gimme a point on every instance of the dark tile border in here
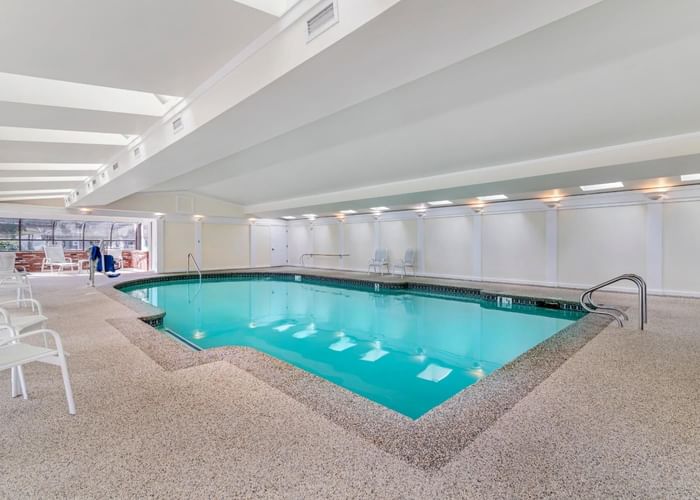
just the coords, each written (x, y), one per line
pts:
(429, 442)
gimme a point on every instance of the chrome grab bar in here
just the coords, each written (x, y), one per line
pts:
(190, 257)
(618, 315)
(301, 259)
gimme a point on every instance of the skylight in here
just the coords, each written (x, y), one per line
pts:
(58, 178)
(599, 187)
(274, 7)
(63, 136)
(50, 167)
(47, 92)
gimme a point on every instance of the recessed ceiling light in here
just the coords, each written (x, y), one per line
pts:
(599, 187)
(158, 214)
(288, 217)
(309, 216)
(439, 203)
(379, 209)
(348, 212)
(492, 197)
(690, 177)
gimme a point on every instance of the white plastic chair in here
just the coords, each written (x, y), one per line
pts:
(408, 262)
(22, 322)
(11, 277)
(56, 259)
(14, 354)
(379, 261)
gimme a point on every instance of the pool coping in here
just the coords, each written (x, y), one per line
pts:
(429, 442)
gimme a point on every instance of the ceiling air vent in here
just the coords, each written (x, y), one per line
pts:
(137, 152)
(115, 166)
(177, 124)
(325, 17)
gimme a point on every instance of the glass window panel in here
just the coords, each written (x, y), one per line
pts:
(9, 245)
(68, 230)
(124, 232)
(71, 244)
(9, 229)
(36, 233)
(124, 244)
(96, 231)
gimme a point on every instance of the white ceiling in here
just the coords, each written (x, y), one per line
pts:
(161, 46)
(617, 72)
(424, 90)
(79, 69)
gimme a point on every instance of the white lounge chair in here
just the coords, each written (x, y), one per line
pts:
(408, 262)
(15, 353)
(12, 277)
(379, 261)
(55, 258)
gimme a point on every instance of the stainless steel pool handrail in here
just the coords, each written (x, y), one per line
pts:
(618, 315)
(190, 257)
(301, 259)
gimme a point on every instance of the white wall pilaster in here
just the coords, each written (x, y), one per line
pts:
(655, 246)
(476, 247)
(552, 237)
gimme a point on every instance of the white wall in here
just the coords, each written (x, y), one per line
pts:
(586, 241)
(397, 236)
(681, 246)
(514, 247)
(449, 245)
(359, 243)
(179, 240)
(596, 244)
(225, 246)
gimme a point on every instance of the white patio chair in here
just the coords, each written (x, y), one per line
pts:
(14, 278)
(379, 261)
(408, 262)
(22, 322)
(15, 353)
(56, 259)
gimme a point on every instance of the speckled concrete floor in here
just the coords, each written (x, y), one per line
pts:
(618, 419)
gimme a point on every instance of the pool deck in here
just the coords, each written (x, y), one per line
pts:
(617, 417)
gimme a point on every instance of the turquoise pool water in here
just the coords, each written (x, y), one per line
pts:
(407, 351)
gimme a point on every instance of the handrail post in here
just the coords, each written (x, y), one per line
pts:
(586, 300)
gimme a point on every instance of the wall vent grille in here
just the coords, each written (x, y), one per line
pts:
(115, 166)
(324, 18)
(177, 125)
(137, 152)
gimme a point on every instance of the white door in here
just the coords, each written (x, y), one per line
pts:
(278, 240)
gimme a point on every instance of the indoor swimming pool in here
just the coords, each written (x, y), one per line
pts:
(407, 350)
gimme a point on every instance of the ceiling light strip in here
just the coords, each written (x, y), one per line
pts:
(50, 167)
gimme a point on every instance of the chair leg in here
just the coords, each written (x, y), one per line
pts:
(66, 383)
(22, 383)
(14, 383)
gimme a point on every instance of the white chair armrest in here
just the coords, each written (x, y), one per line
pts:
(15, 301)
(42, 331)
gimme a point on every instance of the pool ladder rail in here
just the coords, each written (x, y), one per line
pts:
(190, 258)
(618, 315)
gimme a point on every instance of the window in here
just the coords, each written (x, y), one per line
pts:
(124, 236)
(31, 235)
(70, 234)
(9, 235)
(35, 234)
(96, 232)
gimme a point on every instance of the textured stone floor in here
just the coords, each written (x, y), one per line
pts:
(618, 419)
